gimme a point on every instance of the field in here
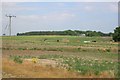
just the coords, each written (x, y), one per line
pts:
(59, 57)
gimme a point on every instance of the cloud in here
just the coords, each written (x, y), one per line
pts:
(49, 17)
(88, 8)
(98, 7)
(13, 7)
(60, 0)
(59, 16)
(113, 7)
(60, 4)
(21, 0)
(9, 4)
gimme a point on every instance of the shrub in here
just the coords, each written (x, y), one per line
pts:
(84, 50)
(108, 50)
(17, 59)
(79, 48)
(21, 48)
(116, 34)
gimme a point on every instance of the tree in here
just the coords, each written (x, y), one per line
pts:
(70, 32)
(116, 34)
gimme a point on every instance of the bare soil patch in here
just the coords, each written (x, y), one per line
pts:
(44, 62)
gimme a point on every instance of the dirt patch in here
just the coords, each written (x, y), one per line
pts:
(43, 62)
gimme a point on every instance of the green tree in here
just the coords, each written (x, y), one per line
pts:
(116, 34)
(70, 32)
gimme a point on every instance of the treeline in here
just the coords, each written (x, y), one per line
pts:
(67, 32)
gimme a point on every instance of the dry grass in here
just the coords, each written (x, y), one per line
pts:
(65, 40)
(31, 70)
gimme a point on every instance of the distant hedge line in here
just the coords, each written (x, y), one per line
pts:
(67, 32)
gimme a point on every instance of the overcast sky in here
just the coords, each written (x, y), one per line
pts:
(39, 16)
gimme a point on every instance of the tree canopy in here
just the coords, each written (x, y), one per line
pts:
(66, 32)
(116, 34)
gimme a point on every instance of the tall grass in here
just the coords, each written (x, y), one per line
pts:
(82, 66)
(17, 59)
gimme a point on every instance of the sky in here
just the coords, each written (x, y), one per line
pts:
(60, 0)
(59, 16)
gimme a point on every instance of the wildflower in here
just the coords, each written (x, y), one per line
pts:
(89, 60)
(83, 63)
(34, 60)
(73, 60)
(52, 58)
(79, 71)
(96, 59)
(111, 62)
(91, 64)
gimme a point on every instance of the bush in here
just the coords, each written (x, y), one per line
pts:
(16, 59)
(79, 48)
(116, 34)
(21, 48)
(108, 50)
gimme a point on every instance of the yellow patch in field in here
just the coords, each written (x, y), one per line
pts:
(34, 60)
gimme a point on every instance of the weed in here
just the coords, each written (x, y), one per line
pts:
(84, 50)
(79, 49)
(80, 65)
(108, 50)
(17, 59)
(21, 48)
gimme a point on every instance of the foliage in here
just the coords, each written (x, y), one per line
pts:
(82, 65)
(66, 32)
(17, 59)
(116, 35)
(70, 52)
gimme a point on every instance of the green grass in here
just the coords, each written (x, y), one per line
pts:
(16, 59)
(76, 64)
(71, 51)
(53, 39)
(38, 43)
(84, 66)
(69, 45)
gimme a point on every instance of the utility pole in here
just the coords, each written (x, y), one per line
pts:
(10, 17)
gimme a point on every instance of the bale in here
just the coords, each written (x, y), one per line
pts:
(94, 41)
(86, 41)
(58, 40)
(65, 40)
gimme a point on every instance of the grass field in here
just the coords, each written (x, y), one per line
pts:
(59, 57)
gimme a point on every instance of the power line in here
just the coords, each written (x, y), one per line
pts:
(10, 17)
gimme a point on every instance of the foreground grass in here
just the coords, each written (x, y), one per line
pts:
(31, 70)
(82, 66)
(75, 58)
